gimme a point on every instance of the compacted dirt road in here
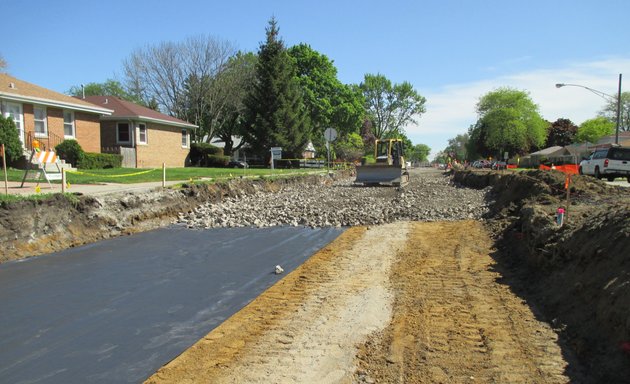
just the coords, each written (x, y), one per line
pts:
(406, 302)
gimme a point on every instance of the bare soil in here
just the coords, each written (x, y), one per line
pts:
(399, 303)
(512, 298)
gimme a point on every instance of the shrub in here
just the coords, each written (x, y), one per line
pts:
(100, 161)
(10, 137)
(217, 161)
(70, 151)
(368, 160)
(200, 153)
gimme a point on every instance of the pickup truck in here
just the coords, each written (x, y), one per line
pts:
(610, 163)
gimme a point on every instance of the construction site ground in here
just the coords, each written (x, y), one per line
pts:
(510, 298)
(407, 302)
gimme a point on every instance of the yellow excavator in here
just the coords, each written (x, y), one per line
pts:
(390, 167)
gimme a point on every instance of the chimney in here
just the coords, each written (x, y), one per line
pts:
(11, 85)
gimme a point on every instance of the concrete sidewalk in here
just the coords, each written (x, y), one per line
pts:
(29, 188)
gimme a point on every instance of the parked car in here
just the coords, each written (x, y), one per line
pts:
(610, 163)
(481, 164)
(498, 165)
(237, 164)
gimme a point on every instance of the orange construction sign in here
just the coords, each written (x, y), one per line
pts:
(47, 157)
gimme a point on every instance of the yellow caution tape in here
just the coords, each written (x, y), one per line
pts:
(111, 176)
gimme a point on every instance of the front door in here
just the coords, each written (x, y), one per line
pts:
(14, 111)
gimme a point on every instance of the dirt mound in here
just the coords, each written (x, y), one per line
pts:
(31, 228)
(577, 274)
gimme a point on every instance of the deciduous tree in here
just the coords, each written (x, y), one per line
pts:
(419, 152)
(594, 129)
(457, 146)
(330, 103)
(390, 107)
(508, 122)
(109, 88)
(236, 80)
(561, 132)
(610, 111)
(160, 72)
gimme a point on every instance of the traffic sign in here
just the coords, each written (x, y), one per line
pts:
(330, 134)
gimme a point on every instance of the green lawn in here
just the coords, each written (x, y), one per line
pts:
(132, 175)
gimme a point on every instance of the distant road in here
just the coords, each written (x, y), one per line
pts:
(117, 310)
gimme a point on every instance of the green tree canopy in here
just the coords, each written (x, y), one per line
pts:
(108, 88)
(594, 129)
(458, 147)
(10, 137)
(610, 112)
(236, 80)
(330, 103)
(508, 122)
(390, 107)
(349, 147)
(275, 111)
(419, 152)
(561, 132)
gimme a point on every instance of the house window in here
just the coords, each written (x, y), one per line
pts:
(142, 133)
(122, 133)
(41, 128)
(184, 138)
(68, 124)
(14, 111)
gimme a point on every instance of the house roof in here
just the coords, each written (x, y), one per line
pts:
(127, 110)
(548, 151)
(218, 142)
(624, 138)
(21, 91)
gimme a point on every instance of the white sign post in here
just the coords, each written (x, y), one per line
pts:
(330, 134)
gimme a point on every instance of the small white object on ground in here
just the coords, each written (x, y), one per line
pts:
(279, 270)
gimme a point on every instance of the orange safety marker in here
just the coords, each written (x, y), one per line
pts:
(47, 157)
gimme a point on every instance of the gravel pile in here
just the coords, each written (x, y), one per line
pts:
(429, 196)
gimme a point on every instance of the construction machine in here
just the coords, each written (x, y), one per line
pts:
(390, 167)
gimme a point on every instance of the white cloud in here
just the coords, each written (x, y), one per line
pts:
(451, 108)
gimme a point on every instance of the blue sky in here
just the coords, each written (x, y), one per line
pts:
(453, 52)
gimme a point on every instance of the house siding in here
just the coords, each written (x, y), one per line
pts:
(87, 127)
(29, 119)
(163, 146)
(88, 131)
(55, 123)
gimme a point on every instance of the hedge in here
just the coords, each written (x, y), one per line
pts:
(217, 161)
(200, 153)
(70, 151)
(100, 161)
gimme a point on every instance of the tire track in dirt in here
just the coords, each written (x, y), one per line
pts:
(453, 322)
(399, 303)
(306, 328)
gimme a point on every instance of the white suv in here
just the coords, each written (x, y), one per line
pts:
(610, 163)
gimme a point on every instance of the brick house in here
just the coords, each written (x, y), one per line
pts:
(146, 138)
(48, 116)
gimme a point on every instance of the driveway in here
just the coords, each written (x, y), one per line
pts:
(117, 310)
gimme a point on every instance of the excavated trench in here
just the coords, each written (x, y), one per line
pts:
(576, 276)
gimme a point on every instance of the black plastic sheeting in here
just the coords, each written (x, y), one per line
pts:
(117, 310)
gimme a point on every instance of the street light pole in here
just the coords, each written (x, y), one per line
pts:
(618, 111)
(605, 96)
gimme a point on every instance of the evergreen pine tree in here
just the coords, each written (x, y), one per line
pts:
(275, 115)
